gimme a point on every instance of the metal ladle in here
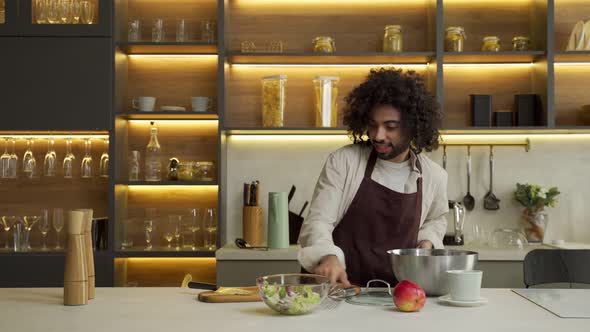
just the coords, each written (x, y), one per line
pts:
(490, 201)
(468, 200)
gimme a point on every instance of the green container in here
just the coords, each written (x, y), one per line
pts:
(278, 220)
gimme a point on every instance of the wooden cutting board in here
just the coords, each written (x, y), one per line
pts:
(228, 297)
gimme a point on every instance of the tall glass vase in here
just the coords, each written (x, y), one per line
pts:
(535, 225)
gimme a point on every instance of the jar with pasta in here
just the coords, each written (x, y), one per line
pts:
(520, 43)
(273, 100)
(326, 101)
(455, 39)
(392, 40)
(491, 44)
(324, 44)
(205, 170)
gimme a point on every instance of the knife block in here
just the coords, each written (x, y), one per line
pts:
(75, 271)
(252, 225)
(89, 252)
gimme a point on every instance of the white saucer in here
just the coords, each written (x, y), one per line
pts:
(447, 299)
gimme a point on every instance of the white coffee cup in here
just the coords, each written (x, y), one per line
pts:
(144, 104)
(464, 285)
(201, 104)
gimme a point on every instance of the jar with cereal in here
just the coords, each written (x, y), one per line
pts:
(273, 100)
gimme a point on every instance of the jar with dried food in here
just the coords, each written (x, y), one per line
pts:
(187, 171)
(392, 41)
(491, 44)
(205, 170)
(324, 44)
(326, 101)
(273, 100)
(520, 43)
(455, 39)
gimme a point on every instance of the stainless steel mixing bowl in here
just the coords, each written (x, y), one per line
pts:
(427, 267)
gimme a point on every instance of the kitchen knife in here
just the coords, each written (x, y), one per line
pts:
(291, 194)
(303, 208)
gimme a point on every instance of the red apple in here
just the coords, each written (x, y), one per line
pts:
(408, 296)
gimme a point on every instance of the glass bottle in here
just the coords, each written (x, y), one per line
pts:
(86, 166)
(50, 159)
(392, 41)
(13, 164)
(68, 164)
(455, 39)
(134, 166)
(153, 165)
(5, 161)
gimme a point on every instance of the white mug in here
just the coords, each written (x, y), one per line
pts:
(201, 104)
(464, 285)
(144, 104)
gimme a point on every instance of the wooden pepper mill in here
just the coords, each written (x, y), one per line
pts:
(89, 252)
(75, 272)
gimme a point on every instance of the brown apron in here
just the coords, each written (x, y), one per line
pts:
(378, 219)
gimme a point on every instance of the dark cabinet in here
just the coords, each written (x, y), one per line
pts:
(20, 21)
(56, 83)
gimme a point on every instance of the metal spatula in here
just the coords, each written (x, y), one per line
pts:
(490, 201)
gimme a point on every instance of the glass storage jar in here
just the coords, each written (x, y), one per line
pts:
(205, 170)
(392, 40)
(326, 101)
(324, 44)
(187, 171)
(273, 100)
(520, 43)
(491, 44)
(455, 39)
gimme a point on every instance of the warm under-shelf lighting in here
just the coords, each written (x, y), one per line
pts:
(494, 64)
(24, 135)
(200, 56)
(329, 65)
(572, 63)
(178, 122)
(343, 3)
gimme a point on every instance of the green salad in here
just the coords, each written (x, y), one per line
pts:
(290, 299)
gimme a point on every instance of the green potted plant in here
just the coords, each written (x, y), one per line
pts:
(535, 198)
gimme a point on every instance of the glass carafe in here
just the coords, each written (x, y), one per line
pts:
(50, 162)
(86, 166)
(68, 164)
(153, 165)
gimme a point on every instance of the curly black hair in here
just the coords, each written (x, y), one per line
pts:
(420, 113)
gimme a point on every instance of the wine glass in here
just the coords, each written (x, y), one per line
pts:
(210, 227)
(195, 218)
(87, 160)
(87, 12)
(13, 164)
(52, 10)
(68, 164)
(58, 225)
(76, 11)
(176, 222)
(168, 234)
(104, 161)
(7, 224)
(49, 164)
(29, 221)
(41, 11)
(44, 225)
(5, 161)
(29, 162)
(65, 13)
(149, 228)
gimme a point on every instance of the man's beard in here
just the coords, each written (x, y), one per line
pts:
(396, 150)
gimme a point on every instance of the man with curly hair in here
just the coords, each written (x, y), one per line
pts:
(381, 192)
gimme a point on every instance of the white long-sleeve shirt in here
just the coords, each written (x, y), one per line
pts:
(340, 180)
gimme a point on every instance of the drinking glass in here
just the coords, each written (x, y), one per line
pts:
(13, 165)
(50, 162)
(44, 226)
(148, 224)
(65, 12)
(68, 164)
(41, 11)
(76, 11)
(29, 162)
(176, 224)
(195, 220)
(29, 221)
(210, 227)
(7, 223)
(181, 31)
(169, 230)
(5, 161)
(87, 12)
(158, 31)
(134, 33)
(58, 225)
(87, 160)
(52, 10)
(208, 31)
(104, 160)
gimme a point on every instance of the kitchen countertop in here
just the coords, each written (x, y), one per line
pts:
(486, 253)
(165, 309)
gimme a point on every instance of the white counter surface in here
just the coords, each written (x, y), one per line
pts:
(175, 309)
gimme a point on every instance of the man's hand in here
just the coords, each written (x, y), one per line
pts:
(330, 267)
(425, 244)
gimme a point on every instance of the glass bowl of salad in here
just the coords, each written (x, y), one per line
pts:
(293, 294)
